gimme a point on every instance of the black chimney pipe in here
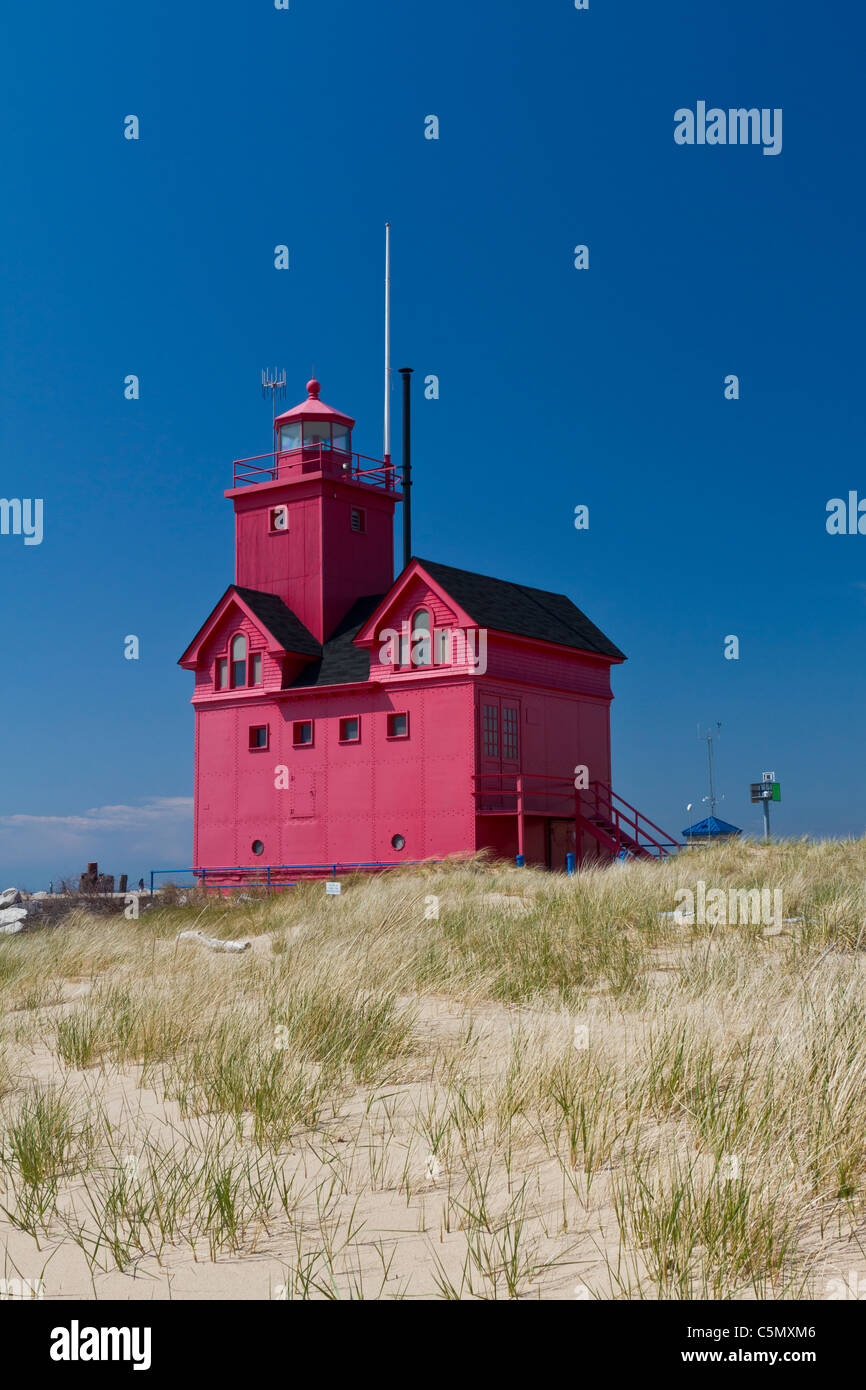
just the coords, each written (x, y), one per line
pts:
(406, 373)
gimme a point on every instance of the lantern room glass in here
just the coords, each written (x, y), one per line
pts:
(317, 434)
(290, 436)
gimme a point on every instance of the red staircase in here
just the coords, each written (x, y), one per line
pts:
(618, 826)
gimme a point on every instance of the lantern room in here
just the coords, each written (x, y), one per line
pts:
(313, 425)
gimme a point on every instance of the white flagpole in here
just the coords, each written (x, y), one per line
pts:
(387, 449)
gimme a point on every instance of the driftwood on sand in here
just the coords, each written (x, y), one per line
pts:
(213, 943)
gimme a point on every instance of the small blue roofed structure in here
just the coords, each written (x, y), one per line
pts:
(711, 829)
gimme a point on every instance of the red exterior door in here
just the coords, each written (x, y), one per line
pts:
(562, 841)
(498, 750)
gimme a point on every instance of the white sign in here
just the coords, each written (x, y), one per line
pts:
(332, 886)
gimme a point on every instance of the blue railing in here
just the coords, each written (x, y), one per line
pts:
(263, 876)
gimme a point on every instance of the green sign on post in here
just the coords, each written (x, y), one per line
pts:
(765, 791)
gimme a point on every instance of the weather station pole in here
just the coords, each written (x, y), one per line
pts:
(710, 767)
(708, 738)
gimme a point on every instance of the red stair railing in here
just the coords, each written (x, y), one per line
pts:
(642, 835)
(606, 815)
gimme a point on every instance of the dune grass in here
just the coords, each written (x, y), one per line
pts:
(463, 1081)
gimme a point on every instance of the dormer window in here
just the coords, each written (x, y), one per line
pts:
(443, 646)
(239, 660)
(421, 648)
(221, 675)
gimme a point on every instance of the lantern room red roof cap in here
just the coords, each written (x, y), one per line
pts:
(314, 409)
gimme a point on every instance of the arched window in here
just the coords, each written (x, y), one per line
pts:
(421, 649)
(239, 660)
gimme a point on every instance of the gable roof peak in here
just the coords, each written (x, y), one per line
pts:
(520, 609)
(267, 611)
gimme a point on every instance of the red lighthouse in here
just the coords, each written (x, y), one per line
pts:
(347, 717)
(328, 516)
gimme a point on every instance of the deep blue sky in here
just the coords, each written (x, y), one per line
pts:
(558, 387)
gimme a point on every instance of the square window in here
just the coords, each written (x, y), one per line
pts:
(258, 736)
(221, 678)
(350, 730)
(359, 519)
(302, 733)
(398, 726)
(256, 668)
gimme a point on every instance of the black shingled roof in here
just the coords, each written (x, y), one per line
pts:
(341, 662)
(280, 621)
(507, 607)
(491, 603)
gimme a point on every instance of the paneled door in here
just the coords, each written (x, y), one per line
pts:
(498, 750)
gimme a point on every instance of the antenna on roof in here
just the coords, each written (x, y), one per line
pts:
(275, 382)
(386, 452)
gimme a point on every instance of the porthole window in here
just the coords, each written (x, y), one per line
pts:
(398, 842)
(258, 847)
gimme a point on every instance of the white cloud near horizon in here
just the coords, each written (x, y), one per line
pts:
(150, 812)
(131, 838)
